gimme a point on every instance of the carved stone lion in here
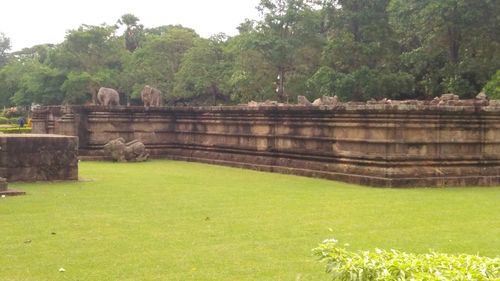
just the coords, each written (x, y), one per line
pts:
(120, 151)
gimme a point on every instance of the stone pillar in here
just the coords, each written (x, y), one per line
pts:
(39, 121)
(67, 123)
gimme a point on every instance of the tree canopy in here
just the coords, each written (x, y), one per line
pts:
(355, 49)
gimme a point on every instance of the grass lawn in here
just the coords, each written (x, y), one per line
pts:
(168, 220)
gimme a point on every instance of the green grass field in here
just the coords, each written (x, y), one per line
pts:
(167, 220)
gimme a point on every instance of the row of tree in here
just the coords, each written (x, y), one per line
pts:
(356, 49)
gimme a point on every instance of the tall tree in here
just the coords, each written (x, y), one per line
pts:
(39, 53)
(158, 59)
(4, 48)
(252, 76)
(204, 73)
(452, 45)
(361, 54)
(361, 35)
(134, 33)
(274, 57)
(89, 50)
(278, 36)
(34, 83)
(9, 82)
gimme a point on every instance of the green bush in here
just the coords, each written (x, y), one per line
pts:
(16, 130)
(362, 84)
(8, 120)
(395, 265)
(492, 88)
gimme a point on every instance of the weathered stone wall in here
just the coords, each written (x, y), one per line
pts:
(372, 144)
(30, 157)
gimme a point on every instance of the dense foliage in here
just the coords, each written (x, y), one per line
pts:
(356, 49)
(346, 265)
(492, 88)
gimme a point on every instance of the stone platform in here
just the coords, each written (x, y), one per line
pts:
(402, 144)
(38, 157)
(11, 192)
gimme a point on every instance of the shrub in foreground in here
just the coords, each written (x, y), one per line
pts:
(380, 264)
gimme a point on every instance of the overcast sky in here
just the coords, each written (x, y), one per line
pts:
(32, 22)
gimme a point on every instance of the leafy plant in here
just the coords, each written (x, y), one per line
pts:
(395, 265)
(492, 88)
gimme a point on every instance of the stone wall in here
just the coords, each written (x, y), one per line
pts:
(399, 144)
(31, 157)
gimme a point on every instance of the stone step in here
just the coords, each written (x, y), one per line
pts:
(11, 192)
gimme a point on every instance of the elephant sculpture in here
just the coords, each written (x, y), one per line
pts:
(120, 151)
(108, 96)
(151, 96)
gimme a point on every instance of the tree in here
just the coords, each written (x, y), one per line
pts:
(39, 53)
(492, 88)
(361, 54)
(88, 48)
(4, 47)
(158, 59)
(278, 36)
(29, 81)
(451, 45)
(252, 76)
(204, 73)
(93, 51)
(9, 82)
(134, 32)
(361, 35)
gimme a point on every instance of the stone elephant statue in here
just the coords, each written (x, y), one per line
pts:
(108, 96)
(120, 151)
(151, 96)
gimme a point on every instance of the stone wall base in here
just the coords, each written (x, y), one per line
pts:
(316, 167)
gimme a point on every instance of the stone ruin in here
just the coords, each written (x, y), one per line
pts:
(444, 100)
(5, 191)
(31, 157)
(440, 142)
(121, 151)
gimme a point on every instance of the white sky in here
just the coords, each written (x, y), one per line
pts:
(32, 22)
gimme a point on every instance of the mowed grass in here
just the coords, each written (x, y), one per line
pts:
(168, 220)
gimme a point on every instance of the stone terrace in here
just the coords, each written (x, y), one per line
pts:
(388, 143)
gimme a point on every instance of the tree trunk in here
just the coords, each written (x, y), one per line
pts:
(281, 94)
(355, 31)
(215, 92)
(454, 38)
(355, 23)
